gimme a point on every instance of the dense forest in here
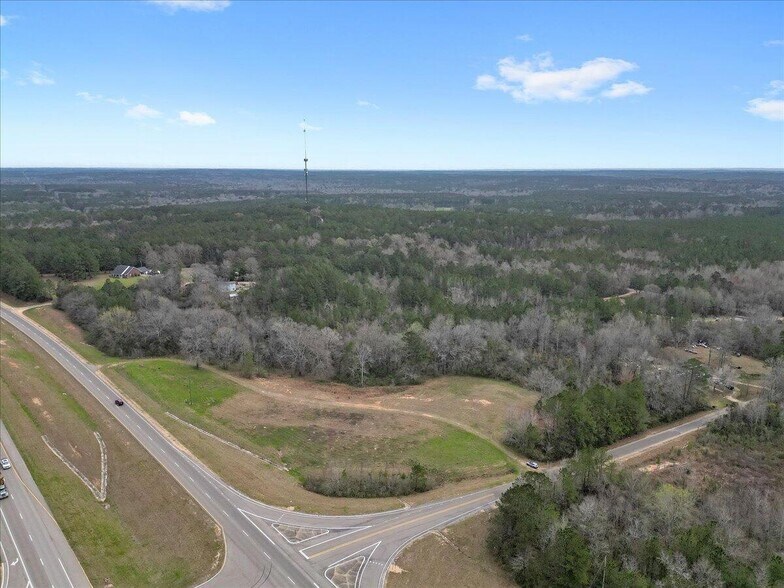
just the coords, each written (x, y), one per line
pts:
(568, 283)
(595, 525)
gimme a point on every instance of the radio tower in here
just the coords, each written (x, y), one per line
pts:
(305, 139)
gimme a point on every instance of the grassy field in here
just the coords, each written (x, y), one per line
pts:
(744, 365)
(99, 280)
(477, 403)
(456, 556)
(303, 437)
(149, 532)
(58, 323)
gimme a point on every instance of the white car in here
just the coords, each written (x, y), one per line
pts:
(532, 465)
(5, 464)
(3, 493)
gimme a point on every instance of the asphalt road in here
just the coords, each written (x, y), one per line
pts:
(34, 549)
(270, 546)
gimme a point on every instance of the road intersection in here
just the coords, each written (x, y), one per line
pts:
(271, 546)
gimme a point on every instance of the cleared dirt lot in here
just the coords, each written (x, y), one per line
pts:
(302, 437)
(480, 404)
(149, 532)
(455, 556)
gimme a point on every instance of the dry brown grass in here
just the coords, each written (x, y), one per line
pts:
(457, 556)
(149, 532)
(347, 432)
(721, 463)
(479, 404)
(748, 365)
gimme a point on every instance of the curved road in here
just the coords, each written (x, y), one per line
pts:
(270, 546)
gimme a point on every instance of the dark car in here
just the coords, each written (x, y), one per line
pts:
(119, 402)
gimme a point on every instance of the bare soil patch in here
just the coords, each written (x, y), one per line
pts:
(480, 404)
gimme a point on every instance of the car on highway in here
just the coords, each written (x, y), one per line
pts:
(5, 464)
(532, 465)
(119, 401)
(3, 493)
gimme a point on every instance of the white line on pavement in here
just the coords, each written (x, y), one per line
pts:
(66, 573)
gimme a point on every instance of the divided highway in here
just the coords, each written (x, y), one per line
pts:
(269, 546)
(34, 549)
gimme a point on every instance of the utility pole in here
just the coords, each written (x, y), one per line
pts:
(305, 140)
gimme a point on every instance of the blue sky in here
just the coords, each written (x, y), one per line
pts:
(392, 85)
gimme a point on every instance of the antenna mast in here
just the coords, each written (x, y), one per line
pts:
(305, 139)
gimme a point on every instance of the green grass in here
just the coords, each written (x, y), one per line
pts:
(97, 534)
(98, 281)
(304, 438)
(176, 385)
(20, 355)
(107, 542)
(52, 321)
(459, 447)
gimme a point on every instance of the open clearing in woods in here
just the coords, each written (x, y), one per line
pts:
(303, 437)
(149, 532)
(480, 404)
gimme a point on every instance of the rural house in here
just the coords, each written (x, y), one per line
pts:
(125, 271)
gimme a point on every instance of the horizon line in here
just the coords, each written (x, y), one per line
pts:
(465, 169)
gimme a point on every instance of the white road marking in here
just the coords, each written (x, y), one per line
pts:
(66, 573)
(245, 532)
(267, 554)
(20, 516)
(290, 580)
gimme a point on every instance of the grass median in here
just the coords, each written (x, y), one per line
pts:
(149, 531)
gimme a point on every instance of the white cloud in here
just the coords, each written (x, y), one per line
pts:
(366, 104)
(624, 89)
(37, 77)
(774, 43)
(87, 96)
(3, 74)
(306, 127)
(524, 38)
(537, 80)
(192, 5)
(770, 107)
(3, 20)
(141, 112)
(196, 119)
